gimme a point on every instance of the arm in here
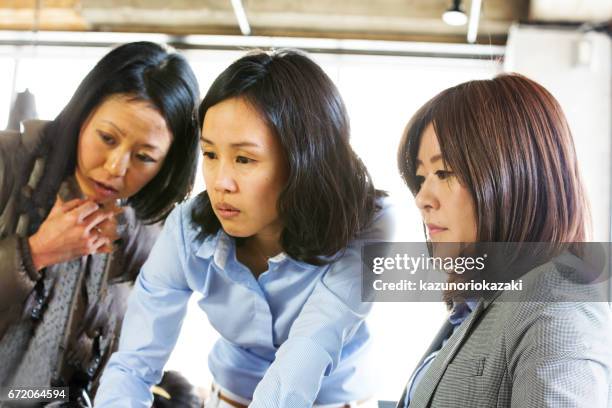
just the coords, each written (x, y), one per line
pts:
(17, 273)
(564, 357)
(328, 320)
(152, 323)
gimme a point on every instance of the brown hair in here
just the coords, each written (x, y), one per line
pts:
(508, 142)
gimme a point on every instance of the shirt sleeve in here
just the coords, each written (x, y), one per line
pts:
(156, 308)
(329, 319)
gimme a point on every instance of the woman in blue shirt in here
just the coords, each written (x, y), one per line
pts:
(273, 247)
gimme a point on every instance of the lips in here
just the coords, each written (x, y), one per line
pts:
(104, 190)
(225, 210)
(434, 229)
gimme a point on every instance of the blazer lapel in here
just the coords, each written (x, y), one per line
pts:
(444, 332)
(429, 382)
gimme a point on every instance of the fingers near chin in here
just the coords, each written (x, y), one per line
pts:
(105, 249)
(69, 205)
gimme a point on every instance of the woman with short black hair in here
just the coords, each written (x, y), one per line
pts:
(273, 246)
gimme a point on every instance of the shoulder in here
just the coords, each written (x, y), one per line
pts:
(10, 148)
(17, 150)
(27, 142)
(33, 136)
(383, 223)
(180, 223)
(555, 314)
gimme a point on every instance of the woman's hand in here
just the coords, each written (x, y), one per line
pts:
(73, 229)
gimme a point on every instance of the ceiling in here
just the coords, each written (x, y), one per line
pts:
(411, 20)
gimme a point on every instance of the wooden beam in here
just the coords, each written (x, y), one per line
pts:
(49, 19)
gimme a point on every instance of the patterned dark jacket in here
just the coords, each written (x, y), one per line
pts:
(59, 326)
(547, 346)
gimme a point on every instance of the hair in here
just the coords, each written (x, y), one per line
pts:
(508, 142)
(329, 196)
(181, 392)
(147, 72)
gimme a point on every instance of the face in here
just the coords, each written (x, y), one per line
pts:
(446, 206)
(122, 146)
(245, 169)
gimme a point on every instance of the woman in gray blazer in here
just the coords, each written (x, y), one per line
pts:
(493, 161)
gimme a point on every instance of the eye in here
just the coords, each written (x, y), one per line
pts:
(444, 174)
(145, 158)
(106, 138)
(244, 160)
(209, 155)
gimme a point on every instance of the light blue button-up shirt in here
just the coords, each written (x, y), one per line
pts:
(290, 338)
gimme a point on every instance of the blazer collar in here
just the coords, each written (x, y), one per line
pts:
(444, 332)
(429, 382)
(426, 387)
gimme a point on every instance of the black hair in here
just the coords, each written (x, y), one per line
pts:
(329, 196)
(181, 392)
(148, 72)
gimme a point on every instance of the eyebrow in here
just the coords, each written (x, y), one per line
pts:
(432, 160)
(117, 128)
(239, 144)
(122, 133)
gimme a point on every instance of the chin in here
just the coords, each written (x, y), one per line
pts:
(235, 232)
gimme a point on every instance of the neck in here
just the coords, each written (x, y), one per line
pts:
(256, 251)
(265, 245)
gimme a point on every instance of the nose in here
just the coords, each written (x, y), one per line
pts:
(427, 199)
(224, 179)
(117, 163)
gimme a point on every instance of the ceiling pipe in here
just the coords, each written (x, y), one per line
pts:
(245, 28)
(472, 33)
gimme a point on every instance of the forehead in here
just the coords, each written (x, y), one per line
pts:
(131, 117)
(235, 120)
(429, 145)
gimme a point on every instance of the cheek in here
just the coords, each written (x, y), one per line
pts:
(138, 178)
(273, 188)
(467, 213)
(265, 194)
(208, 177)
(89, 154)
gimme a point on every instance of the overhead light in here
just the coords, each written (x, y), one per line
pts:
(455, 15)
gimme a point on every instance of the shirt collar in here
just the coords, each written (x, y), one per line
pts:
(206, 250)
(461, 310)
(220, 246)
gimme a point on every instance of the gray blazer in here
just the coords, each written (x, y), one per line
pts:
(552, 353)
